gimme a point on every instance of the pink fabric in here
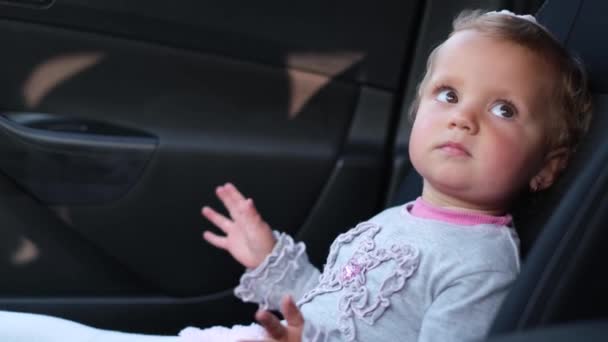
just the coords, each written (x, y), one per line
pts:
(423, 209)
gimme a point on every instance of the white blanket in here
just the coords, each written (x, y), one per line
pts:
(25, 327)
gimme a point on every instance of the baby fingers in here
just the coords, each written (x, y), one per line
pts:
(290, 311)
(232, 199)
(219, 220)
(271, 323)
(233, 192)
(216, 240)
(248, 211)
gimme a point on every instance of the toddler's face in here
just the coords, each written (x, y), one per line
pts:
(480, 131)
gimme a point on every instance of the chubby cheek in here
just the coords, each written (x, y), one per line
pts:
(511, 161)
(420, 142)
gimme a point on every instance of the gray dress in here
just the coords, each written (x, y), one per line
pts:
(395, 277)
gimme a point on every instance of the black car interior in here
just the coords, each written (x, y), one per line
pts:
(103, 174)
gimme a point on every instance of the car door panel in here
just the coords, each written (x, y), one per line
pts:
(298, 122)
(215, 119)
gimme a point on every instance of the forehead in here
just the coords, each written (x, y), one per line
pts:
(493, 63)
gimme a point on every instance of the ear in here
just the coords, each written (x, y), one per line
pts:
(554, 163)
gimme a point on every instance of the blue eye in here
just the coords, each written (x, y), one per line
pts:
(504, 110)
(447, 96)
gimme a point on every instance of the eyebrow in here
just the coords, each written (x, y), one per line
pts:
(445, 79)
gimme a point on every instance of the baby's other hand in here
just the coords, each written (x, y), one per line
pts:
(277, 332)
(248, 237)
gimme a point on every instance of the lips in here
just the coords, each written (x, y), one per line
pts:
(454, 149)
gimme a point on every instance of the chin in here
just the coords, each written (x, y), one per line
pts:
(465, 192)
(450, 183)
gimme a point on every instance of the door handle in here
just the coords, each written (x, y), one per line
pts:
(67, 133)
(62, 160)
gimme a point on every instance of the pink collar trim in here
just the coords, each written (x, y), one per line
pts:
(423, 209)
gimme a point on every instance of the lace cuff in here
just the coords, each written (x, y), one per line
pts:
(286, 270)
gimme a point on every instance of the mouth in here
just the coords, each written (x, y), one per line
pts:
(454, 149)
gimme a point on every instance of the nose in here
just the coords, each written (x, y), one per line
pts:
(464, 119)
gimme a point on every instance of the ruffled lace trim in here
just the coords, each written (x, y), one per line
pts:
(356, 301)
(260, 284)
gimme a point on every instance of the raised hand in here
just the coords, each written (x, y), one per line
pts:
(248, 237)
